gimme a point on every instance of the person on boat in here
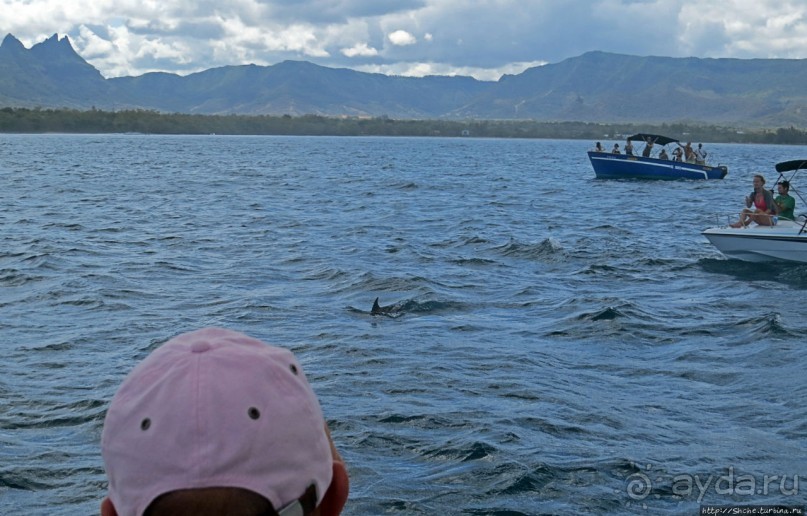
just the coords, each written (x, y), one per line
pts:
(628, 148)
(785, 203)
(648, 148)
(677, 152)
(764, 210)
(615, 150)
(663, 154)
(598, 147)
(700, 155)
(689, 153)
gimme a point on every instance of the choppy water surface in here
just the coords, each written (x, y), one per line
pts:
(563, 345)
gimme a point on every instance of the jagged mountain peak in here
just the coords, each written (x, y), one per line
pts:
(55, 47)
(11, 43)
(50, 71)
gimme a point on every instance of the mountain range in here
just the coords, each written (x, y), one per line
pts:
(593, 87)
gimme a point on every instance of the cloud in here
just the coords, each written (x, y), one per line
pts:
(402, 38)
(745, 29)
(424, 69)
(359, 49)
(452, 37)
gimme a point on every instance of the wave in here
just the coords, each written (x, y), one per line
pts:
(548, 248)
(16, 278)
(608, 313)
(469, 452)
(47, 415)
(767, 325)
(369, 282)
(22, 480)
(472, 262)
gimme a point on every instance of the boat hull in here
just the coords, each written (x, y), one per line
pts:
(783, 242)
(622, 166)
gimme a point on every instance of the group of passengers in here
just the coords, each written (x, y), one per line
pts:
(681, 153)
(767, 210)
(761, 207)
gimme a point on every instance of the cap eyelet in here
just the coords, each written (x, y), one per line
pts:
(254, 413)
(293, 369)
(145, 424)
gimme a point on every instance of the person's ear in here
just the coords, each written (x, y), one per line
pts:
(107, 509)
(336, 496)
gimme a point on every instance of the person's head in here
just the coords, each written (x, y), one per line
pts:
(216, 422)
(759, 181)
(784, 186)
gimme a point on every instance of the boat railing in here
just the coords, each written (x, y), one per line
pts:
(710, 162)
(725, 219)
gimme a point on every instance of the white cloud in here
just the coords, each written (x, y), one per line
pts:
(424, 69)
(93, 46)
(401, 38)
(359, 49)
(484, 38)
(744, 29)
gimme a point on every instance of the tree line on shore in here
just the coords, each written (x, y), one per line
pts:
(24, 120)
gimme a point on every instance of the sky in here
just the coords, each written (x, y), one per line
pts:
(479, 38)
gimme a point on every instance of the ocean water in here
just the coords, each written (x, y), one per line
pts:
(560, 344)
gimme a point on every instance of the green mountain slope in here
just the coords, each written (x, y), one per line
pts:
(594, 87)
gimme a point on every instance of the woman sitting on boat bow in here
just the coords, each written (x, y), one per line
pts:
(764, 209)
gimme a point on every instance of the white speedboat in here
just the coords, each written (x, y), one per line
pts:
(786, 241)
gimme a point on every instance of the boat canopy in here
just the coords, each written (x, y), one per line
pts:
(655, 138)
(787, 166)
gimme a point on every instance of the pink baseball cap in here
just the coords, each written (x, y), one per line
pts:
(215, 408)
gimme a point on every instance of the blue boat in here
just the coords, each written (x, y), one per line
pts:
(608, 165)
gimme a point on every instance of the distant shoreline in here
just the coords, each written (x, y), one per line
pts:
(24, 120)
